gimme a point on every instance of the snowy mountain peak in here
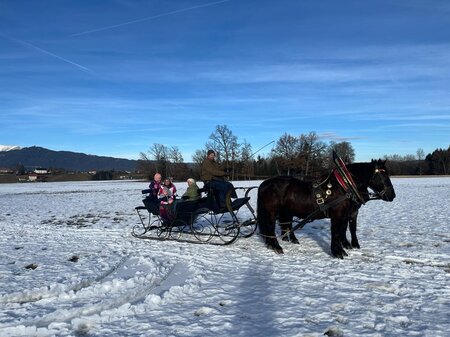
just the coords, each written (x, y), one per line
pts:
(9, 147)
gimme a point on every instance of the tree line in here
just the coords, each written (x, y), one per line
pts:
(435, 163)
(303, 156)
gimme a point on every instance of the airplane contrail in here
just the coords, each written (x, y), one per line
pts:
(148, 18)
(28, 44)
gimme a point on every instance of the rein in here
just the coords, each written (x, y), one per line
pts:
(325, 206)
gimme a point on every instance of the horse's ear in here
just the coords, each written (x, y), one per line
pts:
(379, 162)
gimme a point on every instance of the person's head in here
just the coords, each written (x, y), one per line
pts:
(211, 154)
(167, 182)
(190, 181)
(157, 177)
(166, 191)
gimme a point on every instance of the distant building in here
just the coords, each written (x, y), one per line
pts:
(32, 177)
(40, 170)
(5, 170)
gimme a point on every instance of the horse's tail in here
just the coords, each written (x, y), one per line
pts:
(265, 214)
(261, 213)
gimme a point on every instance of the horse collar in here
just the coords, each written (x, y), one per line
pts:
(348, 186)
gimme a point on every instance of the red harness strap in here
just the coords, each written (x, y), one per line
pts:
(340, 180)
(347, 182)
(345, 178)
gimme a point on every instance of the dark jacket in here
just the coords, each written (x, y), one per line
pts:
(154, 190)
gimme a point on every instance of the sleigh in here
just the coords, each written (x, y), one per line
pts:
(197, 221)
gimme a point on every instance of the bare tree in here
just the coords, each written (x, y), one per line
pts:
(420, 156)
(177, 169)
(286, 152)
(175, 155)
(246, 160)
(313, 152)
(225, 143)
(160, 152)
(199, 156)
(166, 160)
(147, 166)
(344, 150)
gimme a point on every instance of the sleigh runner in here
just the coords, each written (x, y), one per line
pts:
(199, 221)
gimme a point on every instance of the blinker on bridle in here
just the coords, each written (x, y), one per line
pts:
(379, 195)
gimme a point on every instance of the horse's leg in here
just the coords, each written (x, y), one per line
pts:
(267, 211)
(352, 226)
(271, 239)
(344, 240)
(337, 223)
(285, 220)
(267, 231)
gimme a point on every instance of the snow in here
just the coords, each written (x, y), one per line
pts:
(4, 148)
(92, 278)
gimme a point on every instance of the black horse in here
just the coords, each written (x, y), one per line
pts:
(283, 198)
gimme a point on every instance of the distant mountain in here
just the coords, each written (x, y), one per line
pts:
(72, 161)
(9, 147)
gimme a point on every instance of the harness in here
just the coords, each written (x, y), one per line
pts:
(345, 180)
(347, 183)
(323, 206)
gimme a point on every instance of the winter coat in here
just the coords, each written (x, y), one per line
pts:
(211, 169)
(172, 189)
(154, 190)
(165, 195)
(191, 192)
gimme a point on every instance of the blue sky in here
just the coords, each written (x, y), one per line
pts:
(113, 77)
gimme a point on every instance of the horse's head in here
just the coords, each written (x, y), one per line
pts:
(380, 182)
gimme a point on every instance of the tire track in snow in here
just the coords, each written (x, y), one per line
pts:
(406, 260)
(175, 276)
(29, 297)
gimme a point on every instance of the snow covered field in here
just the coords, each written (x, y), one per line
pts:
(69, 267)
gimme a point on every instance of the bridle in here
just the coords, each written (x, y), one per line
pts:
(376, 195)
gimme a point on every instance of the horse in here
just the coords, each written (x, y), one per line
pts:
(284, 197)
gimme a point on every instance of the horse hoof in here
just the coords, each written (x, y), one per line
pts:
(339, 254)
(356, 245)
(277, 250)
(346, 245)
(295, 241)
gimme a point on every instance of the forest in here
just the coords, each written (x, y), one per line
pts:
(303, 156)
